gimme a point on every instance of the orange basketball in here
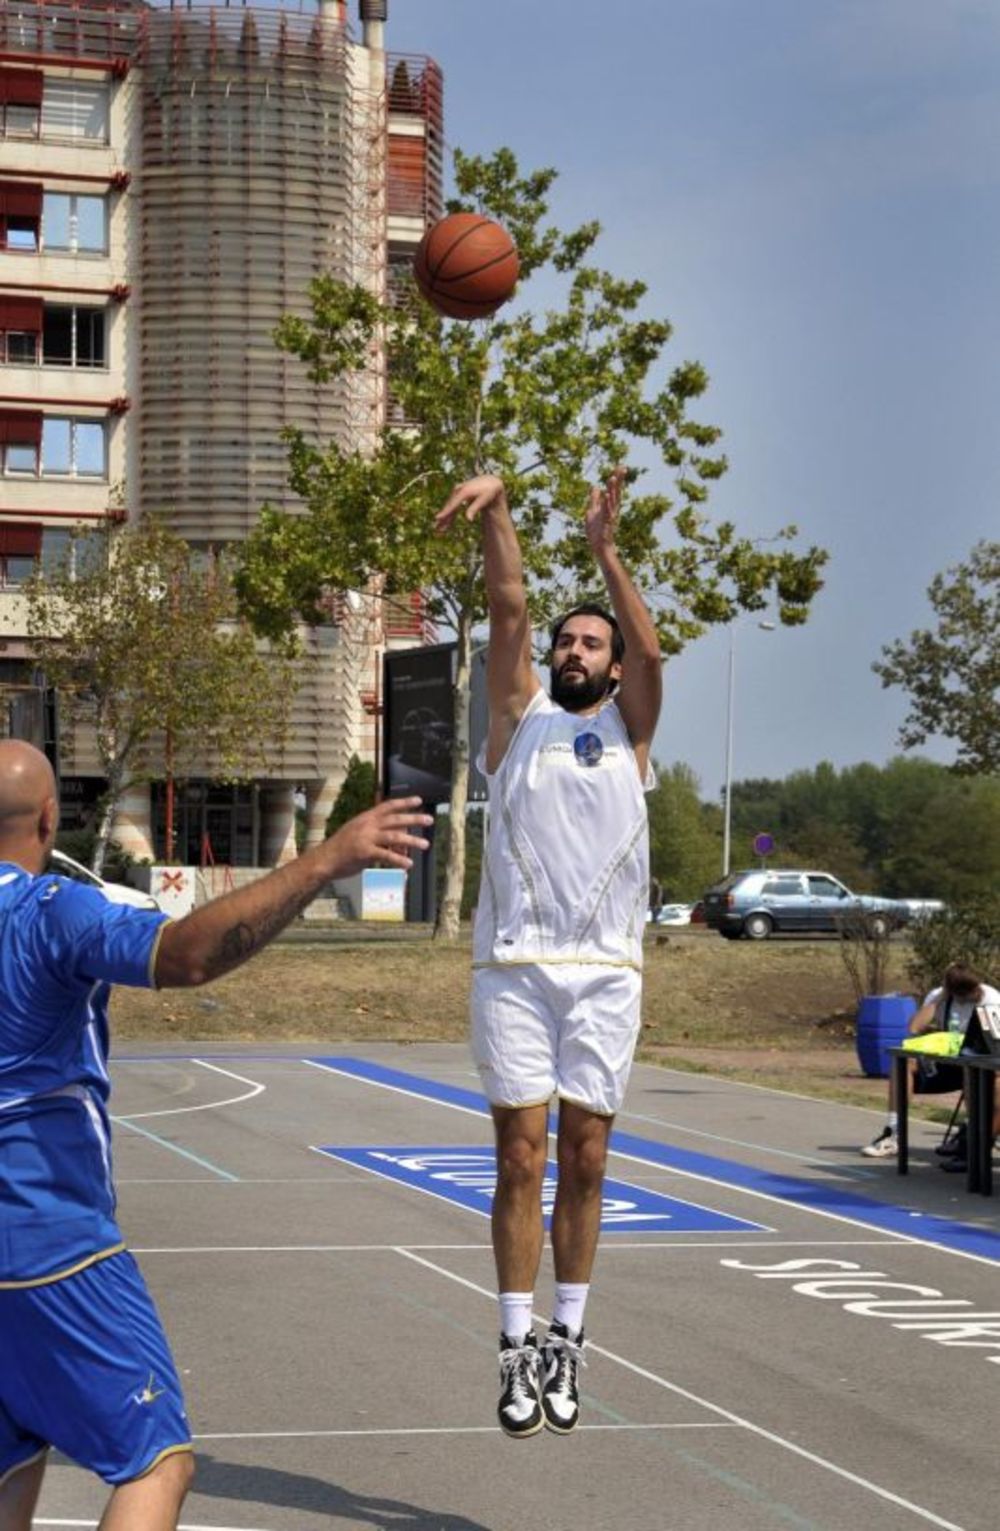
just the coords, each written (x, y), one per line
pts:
(466, 266)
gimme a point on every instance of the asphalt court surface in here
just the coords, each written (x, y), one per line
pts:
(780, 1333)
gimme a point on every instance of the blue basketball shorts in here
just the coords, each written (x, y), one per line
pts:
(87, 1369)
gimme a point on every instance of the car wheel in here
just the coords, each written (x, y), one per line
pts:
(757, 927)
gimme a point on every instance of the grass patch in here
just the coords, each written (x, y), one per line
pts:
(775, 1013)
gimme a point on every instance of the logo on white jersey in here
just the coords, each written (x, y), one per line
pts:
(588, 749)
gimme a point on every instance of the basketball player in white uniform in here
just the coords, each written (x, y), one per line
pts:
(558, 935)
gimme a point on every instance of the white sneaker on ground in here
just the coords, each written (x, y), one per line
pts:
(885, 1146)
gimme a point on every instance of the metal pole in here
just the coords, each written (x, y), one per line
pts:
(727, 819)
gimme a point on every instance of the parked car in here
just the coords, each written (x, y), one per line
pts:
(923, 908)
(755, 904)
(114, 892)
(674, 914)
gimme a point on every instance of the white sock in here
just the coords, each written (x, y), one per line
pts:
(515, 1315)
(893, 1121)
(571, 1299)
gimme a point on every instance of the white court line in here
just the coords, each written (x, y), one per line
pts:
(212, 1105)
(891, 1241)
(308, 1435)
(185, 1525)
(741, 1190)
(725, 1414)
(859, 1170)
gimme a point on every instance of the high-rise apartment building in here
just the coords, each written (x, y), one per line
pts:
(171, 180)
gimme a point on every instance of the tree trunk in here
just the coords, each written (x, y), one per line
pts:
(449, 913)
(109, 808)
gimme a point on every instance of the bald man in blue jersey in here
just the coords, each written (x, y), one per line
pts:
(84, 1363)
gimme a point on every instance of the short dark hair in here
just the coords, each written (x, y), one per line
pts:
(592, 609)
(962, 981)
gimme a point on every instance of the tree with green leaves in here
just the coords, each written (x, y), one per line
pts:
(684, 835)
(952, 673)
(148, 649)
(357, 792)
(549, 402)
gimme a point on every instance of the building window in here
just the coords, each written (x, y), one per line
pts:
(20, 102)
(20, 442)
(20, 544)
(20, 330)
(75, 109)
(73, 448)
(21, 121)
(74, 223)
(19, 348)
(73, 337)
(65, 552)
(20, 215)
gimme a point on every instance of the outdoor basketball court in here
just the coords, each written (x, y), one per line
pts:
(783, 1334)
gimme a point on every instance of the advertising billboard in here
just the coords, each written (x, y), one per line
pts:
(417, 736)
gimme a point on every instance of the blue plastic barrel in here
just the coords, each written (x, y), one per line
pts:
(882, 1023)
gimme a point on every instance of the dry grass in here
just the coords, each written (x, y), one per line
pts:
(779, 1013)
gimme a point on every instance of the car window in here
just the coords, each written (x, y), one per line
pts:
(782, 885)
(826, 887)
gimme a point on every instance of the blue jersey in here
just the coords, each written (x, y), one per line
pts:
(62, 945)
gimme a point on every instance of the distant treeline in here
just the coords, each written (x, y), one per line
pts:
(909, 829)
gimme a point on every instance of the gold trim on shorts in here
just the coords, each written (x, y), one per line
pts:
(72, 1270)
(168, 1451)
(582, 1105)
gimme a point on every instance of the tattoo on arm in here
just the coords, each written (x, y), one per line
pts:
(241, 941)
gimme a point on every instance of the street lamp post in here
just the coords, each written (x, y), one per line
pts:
(765, 627)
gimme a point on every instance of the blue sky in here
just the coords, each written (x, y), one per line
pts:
(809, 189)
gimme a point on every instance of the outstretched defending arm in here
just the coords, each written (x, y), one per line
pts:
(510, 679)
(223, 934)
(640, 691)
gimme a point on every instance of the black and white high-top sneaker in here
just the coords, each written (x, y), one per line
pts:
(520, 1408)
(562, 1356)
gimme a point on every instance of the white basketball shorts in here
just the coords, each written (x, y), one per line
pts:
(567, 1029)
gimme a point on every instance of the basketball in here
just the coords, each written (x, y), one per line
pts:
(466, 266)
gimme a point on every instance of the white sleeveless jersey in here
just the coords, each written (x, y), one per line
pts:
(566, 860)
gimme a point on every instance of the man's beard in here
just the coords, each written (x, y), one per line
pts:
(578, 691)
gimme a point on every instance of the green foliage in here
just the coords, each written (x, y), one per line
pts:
(969, 932)
(146, 647)
(952, 674)
(474, 825)
(684, 837)
(357, 793)
(79, 844)
(549, 402)
(910, 829)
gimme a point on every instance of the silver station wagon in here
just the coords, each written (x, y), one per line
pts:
(756, 904)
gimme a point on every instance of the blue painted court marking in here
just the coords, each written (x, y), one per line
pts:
(828, 1201)
(466, 1177)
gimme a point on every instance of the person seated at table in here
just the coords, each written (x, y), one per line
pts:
(948, 1007)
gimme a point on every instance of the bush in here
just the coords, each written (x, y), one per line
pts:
(356, 794)
(79, 844)
(969, 932)
(864, 950)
